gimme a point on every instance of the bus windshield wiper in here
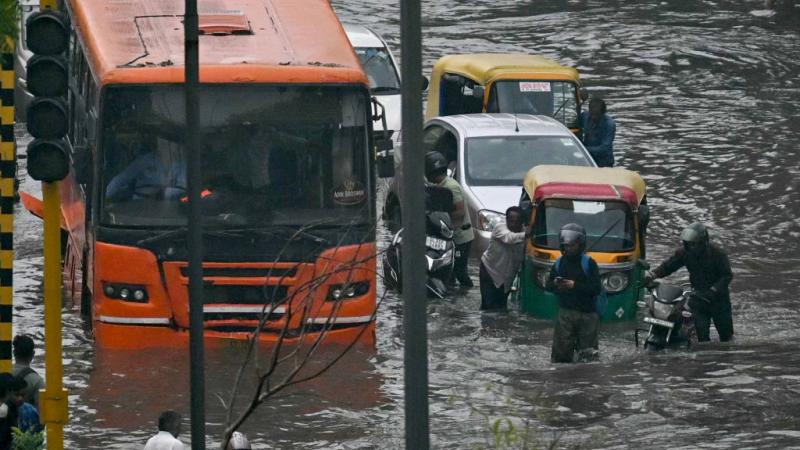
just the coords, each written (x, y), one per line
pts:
(162, 235)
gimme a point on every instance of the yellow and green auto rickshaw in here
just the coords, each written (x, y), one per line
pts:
(609, 204)
(505, 83)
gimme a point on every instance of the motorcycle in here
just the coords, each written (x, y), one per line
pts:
(439, 246)
(668, 317)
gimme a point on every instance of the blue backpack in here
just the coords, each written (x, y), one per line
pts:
(601, 301)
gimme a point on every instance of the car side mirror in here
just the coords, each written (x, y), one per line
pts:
(478, 92)
(425, 83)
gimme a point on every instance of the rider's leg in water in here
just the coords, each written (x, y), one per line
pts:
(564, 336)
(702, 323)
(587, 337)
(723, 322)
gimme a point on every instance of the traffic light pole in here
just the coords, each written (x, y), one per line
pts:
(196, 345)
(415, 321)
(54, 400)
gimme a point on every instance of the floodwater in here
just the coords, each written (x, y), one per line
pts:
(706, 96)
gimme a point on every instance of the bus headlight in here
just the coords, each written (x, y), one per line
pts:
(487, 219)
(614, 281)
(126, 292)
(348, 291)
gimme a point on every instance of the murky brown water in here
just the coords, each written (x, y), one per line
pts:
(706, 96)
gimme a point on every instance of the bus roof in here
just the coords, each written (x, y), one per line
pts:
(586, 182)
(485, 67)
(242, 41)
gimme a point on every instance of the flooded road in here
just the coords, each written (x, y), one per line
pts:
(706, 95)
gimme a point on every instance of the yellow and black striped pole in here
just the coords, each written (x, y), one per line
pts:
(7, 176)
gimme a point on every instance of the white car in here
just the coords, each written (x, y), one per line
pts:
(490, 155)
(384, 79)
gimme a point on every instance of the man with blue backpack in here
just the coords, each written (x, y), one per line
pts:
(575, 278)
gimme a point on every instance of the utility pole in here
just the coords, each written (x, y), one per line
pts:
(415, 321)
(195, 238)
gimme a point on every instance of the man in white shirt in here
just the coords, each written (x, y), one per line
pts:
(169, 427)
(501, 260)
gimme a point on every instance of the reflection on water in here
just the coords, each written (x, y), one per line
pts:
(705, 94)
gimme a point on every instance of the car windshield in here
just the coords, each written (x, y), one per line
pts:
(558, 99)
(504, 160)
(609, 224)
(380, 70)
(272, 155)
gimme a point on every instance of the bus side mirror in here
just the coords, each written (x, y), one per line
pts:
(385, 163)
(82, 164)
(425, 83)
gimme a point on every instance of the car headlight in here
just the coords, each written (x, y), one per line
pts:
(614, 281)
(541, 276)
(488, 219)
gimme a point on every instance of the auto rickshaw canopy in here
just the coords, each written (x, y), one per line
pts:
(548, 181)
(487, 67)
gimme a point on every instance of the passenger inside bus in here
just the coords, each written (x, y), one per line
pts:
(158, 173)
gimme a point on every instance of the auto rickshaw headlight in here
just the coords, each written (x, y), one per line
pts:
(614, 281)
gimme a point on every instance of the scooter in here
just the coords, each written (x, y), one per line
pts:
(439, 246)
(668, 317)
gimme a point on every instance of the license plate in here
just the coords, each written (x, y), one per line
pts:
(435, 243)
(659, 322)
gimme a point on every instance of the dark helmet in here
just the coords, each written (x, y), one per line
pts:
(695, 237)
(572, 233)
(435, 164)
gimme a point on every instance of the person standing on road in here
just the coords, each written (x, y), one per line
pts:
(577, 290)
(23, 355)
(169, 427)
(502, 259)
(710, 274)
(436, 173)
(597, 132)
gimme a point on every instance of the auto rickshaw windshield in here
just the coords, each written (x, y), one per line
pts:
(609, 224)
(557, 99)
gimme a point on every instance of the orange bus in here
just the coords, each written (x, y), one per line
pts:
(288, 172)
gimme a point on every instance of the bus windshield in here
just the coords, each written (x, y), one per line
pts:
(609, 224)
(271, 155)
(557, 99)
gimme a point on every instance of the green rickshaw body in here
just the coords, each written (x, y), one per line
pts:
(608, 202)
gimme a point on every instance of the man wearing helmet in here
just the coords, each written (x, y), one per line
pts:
(436, 173)
(710, 274)
(577, 290)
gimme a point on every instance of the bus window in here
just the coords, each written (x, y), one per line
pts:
(272, 155)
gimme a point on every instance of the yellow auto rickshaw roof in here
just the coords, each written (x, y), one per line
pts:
(485, 67)
(572, 175)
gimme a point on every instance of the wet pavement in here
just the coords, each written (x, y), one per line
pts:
(706, 95)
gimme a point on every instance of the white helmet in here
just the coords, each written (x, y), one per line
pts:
(238, 441)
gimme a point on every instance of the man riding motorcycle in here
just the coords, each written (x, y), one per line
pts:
(710, 274)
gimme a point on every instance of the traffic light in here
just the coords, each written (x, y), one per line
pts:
(47, 36)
